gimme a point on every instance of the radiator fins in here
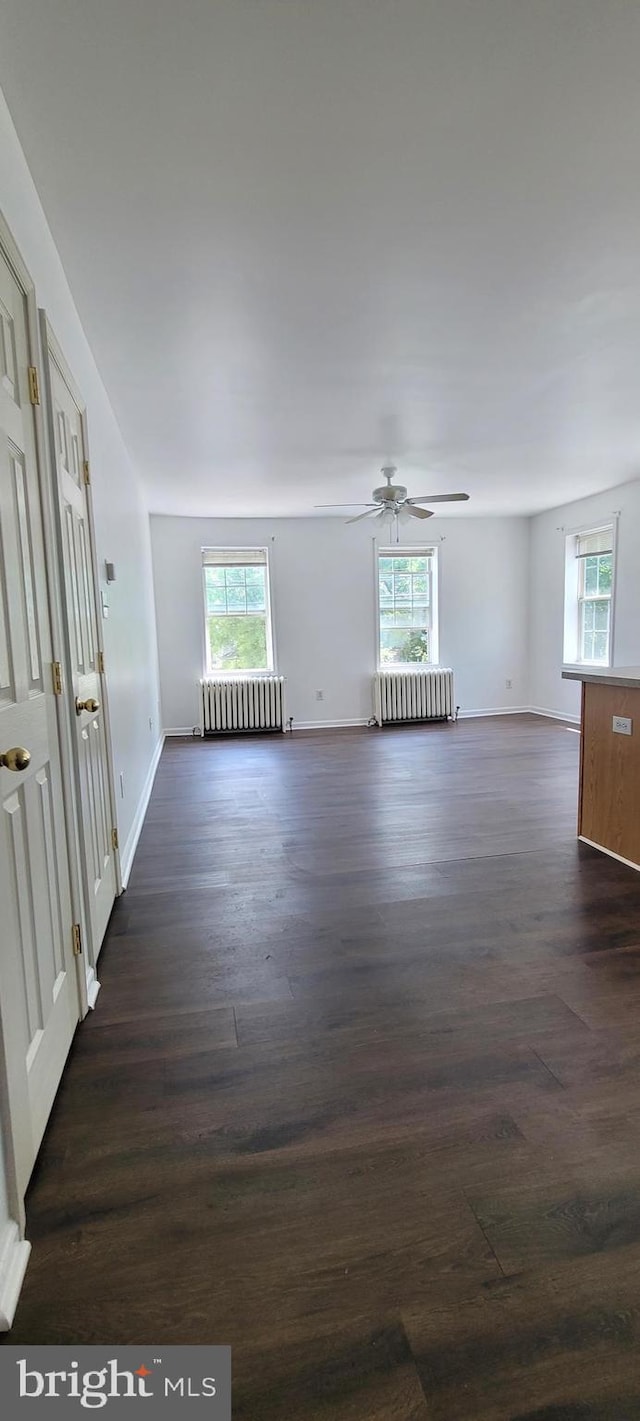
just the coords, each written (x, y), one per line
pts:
(251, 703)
(413, 695)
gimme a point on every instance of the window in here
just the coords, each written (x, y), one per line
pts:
(594, 552)
(588, 594)
(406, 594)
(237, 610)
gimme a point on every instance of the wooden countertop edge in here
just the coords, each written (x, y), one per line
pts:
(627, 676)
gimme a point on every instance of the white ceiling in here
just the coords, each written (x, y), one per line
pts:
(309, 236)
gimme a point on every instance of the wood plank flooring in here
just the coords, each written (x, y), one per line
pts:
(361, 1093)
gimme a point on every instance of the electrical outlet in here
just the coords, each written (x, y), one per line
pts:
(122, 784)
(622, 724)
(319, 695)
(508, 685)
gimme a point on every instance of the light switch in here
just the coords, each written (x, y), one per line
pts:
(622, 724)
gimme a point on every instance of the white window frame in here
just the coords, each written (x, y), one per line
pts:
(217, 673)
(420, 551)
(574, 600)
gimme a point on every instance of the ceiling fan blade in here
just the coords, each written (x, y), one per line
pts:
(372, 508)
(345, 505)
(441, 498)
(418, 512)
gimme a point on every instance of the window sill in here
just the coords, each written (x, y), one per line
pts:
(410, 666)
(582, 665)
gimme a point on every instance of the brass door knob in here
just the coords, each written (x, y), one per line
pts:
(16, 759)
(89, 705)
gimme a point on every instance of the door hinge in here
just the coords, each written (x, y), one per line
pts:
(114, 838)
(86, 473)
(56, 672)
(76, 938)
(34, 386)
(101, 663)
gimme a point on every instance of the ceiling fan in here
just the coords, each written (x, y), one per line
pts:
(391, 499)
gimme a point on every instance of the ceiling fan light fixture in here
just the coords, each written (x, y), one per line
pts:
(391, 501)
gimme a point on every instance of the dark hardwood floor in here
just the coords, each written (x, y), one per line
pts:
(361, 1093)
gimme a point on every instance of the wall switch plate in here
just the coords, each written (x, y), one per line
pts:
(622, 724)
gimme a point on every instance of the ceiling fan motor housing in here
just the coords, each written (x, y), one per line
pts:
(390, 493)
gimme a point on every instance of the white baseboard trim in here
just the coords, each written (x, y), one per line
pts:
(494, 710)
(14, 1256)
(555, 715)
(93, 987)
(361, 720)
(297, 725)
(329, 724)
(609, 852)
(131, 845)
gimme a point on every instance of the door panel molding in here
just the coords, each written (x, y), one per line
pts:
(91, 757)
(39, 1002)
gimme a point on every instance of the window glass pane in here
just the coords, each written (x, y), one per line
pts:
(236, 599)
(601, 615)
(605, 572)
(237, 643)
(256, 597)
(405, 615)
(238, 633)
(216, 599)
(600, 640)
(401, 645)
(590, 576)
(236, 590)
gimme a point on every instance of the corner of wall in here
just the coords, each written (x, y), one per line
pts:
(529, 615)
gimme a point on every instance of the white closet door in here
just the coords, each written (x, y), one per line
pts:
(89, 725)
(38, 985)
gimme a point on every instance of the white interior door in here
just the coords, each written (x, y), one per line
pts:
(88, 686)
(38, 984)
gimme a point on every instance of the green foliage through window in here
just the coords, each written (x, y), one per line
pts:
(596, 577)
(404, 591)
(236, 615)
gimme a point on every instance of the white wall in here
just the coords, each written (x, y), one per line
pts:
(121, 520)
(121, 526)
(323, 593)
(547, 563)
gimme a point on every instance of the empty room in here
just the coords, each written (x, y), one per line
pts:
(320, 708)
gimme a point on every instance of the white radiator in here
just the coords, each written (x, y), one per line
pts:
(413, 695)
(242, 703)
